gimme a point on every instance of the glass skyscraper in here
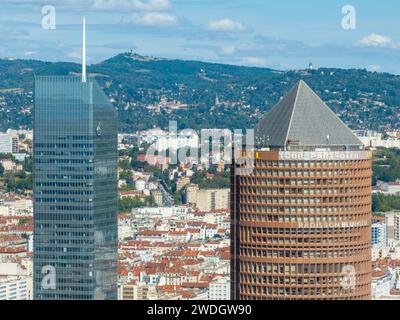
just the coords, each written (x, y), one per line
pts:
(75, 190)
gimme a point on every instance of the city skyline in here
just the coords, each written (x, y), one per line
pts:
(130, 169)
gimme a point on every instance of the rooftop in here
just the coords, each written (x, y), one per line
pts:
(302, 121)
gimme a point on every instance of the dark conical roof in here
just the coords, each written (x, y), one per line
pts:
(302, 120)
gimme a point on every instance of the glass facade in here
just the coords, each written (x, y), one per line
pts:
(75, 191)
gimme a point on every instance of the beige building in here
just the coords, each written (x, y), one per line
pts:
(207, 199)
(158, 197)
(191, 194)
(134, 292)
(182, 182)
(396, 235)
(10, 166)
(6, 210)
(392, 221)
(13, 206)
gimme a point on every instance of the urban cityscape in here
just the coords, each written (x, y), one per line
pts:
(144, 178)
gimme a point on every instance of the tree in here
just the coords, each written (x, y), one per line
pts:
(177, 198)
(124, 164)
(128, 203)
(385, 203)
(386, 166)
(28, 164)
(127, 187)
(125, 175)
(23, 221)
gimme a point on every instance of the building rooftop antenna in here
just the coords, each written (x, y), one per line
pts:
(84, 51)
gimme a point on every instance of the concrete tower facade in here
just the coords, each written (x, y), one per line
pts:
(301, 221)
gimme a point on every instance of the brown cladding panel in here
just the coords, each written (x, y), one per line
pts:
(300, 228)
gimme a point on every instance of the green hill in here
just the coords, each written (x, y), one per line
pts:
(189, 90)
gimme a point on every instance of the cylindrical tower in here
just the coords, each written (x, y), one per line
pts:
(301, 220)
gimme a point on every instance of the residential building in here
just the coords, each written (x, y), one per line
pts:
(220, 289)
(381, 284)
(140, 184)
(13, 288)
(182, 182)
(207, 199)
(158, 197)
(10, 165)
(378, 234)
(8, 143)
(134, 291)
(190, 194)
(391, 188)
(375, 139)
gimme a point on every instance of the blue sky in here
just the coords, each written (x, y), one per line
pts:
(284, 34)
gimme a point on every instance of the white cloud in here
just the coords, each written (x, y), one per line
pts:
(74, 55)
(377, 40)
(30, 53)
(100, 5)
(140, 5)
(228, 50)
(153, 19)
(225, 25)
(254, 61)
(374, 68)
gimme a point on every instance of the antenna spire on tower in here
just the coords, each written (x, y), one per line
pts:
(84, 51)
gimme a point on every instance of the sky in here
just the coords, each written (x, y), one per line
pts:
(278, 34)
